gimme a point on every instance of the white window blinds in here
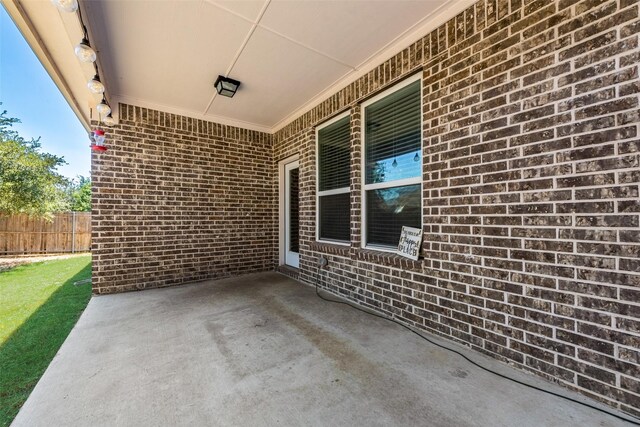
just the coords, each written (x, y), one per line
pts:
(333, 181)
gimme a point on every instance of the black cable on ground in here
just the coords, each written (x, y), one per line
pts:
(588, 405)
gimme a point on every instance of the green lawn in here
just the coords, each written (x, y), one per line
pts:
(39, 304)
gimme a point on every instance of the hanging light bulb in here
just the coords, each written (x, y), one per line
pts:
(84, 52)
(109, 120)
(395, 163)
(66, 5)
(416, 158)
(95, 85)
(103, 108)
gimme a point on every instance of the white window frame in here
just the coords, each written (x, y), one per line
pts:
(391, 184)
(282, 190)
(329, 192)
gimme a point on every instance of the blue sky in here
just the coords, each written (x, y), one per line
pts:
(28, 93)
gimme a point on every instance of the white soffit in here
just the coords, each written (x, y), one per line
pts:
(288, 55)
(166, 54)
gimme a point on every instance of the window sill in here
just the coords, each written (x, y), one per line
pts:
(330, 248)
(389, 259)
(334, 243)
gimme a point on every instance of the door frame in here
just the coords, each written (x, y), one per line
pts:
(282, 213)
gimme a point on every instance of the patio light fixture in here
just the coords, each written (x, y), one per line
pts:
(84, 52)
(66, 5)
(226, 86)
(95, 85)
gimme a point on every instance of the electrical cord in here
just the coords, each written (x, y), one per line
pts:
(323, 263)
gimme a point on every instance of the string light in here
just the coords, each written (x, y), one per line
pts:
(103, 108)
(84, 52)
(109, 120)
(95, 85)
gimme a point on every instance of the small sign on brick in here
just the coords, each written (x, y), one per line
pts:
(410, 242)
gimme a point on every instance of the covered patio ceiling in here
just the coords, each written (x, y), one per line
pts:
(165, 55)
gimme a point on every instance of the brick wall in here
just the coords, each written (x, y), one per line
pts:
(531, 208)
(177, 200)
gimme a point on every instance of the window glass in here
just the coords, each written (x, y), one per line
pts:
(334, 143)
(393, 152)
(388, 210)
(392, 134)
(333, 156)
(334, 217)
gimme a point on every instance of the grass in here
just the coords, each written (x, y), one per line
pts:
(39, 305)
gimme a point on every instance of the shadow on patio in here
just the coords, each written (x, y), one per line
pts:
(264, 350)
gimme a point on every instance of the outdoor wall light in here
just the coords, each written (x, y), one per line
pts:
(226, 86)
(103, 108)
(66, 5)
(95, 85)
(84, 52)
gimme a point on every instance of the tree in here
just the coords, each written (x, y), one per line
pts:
(80, 194)
(29, 182)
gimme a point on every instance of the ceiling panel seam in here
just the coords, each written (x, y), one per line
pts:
(271, 30)
(319, 52)
(233, 12)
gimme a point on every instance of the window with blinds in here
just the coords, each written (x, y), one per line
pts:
(393, 164)
(333, 181)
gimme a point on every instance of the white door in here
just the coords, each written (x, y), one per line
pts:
(291, 214)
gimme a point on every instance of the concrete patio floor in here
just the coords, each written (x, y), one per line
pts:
(263, 350)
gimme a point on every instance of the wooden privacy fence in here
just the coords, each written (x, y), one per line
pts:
(68, 232)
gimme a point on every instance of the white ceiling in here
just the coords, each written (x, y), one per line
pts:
(287, 54)
(166, 54)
